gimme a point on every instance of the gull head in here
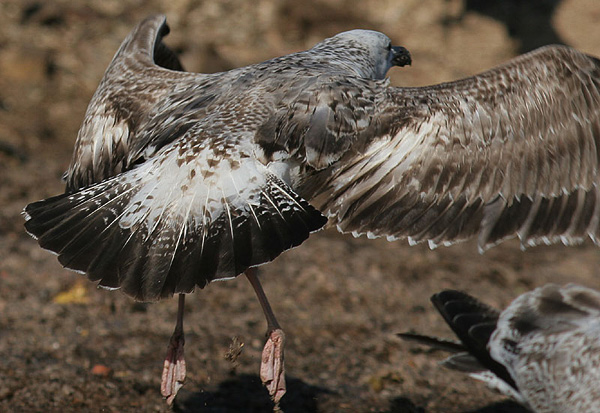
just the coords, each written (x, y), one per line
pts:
(368, 53)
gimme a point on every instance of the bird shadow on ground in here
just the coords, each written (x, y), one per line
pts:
(506, 406)
(245, 393)
(404, 405)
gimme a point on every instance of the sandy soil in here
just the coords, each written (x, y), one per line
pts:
(66, 346)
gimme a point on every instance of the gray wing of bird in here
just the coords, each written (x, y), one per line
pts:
(123, 124)
(511, 151)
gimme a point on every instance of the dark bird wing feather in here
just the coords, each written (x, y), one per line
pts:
(156, 237)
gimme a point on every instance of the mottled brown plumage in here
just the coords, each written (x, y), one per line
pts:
(179, 179)
(543, 349)
(512, 151)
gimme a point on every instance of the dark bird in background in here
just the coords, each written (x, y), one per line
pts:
(543, 349)
(179, 179)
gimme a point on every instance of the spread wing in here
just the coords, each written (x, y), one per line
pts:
(510, 151)
(125, 122)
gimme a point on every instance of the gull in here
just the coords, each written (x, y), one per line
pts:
(179, 179)
(543, 349)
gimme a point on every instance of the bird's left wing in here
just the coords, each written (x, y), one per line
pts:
(514, 150)
(144, 102)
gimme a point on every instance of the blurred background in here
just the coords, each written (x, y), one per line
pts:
(66, 346)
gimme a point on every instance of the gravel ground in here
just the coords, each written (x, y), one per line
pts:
(67, 346)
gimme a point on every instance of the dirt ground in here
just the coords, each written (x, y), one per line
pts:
(66, 346)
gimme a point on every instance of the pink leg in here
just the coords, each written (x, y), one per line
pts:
(272, 371)
(173, 373)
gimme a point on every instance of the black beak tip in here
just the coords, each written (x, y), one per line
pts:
(401, 56)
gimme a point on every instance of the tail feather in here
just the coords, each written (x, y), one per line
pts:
(49, 220)
(241, 240)
(185, 267)
(76, 239)
(158, 253)
(107, 259)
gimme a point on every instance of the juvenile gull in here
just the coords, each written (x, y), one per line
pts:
(179, 179)
(543, 349)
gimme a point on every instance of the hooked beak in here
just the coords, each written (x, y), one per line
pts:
(400, 56)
